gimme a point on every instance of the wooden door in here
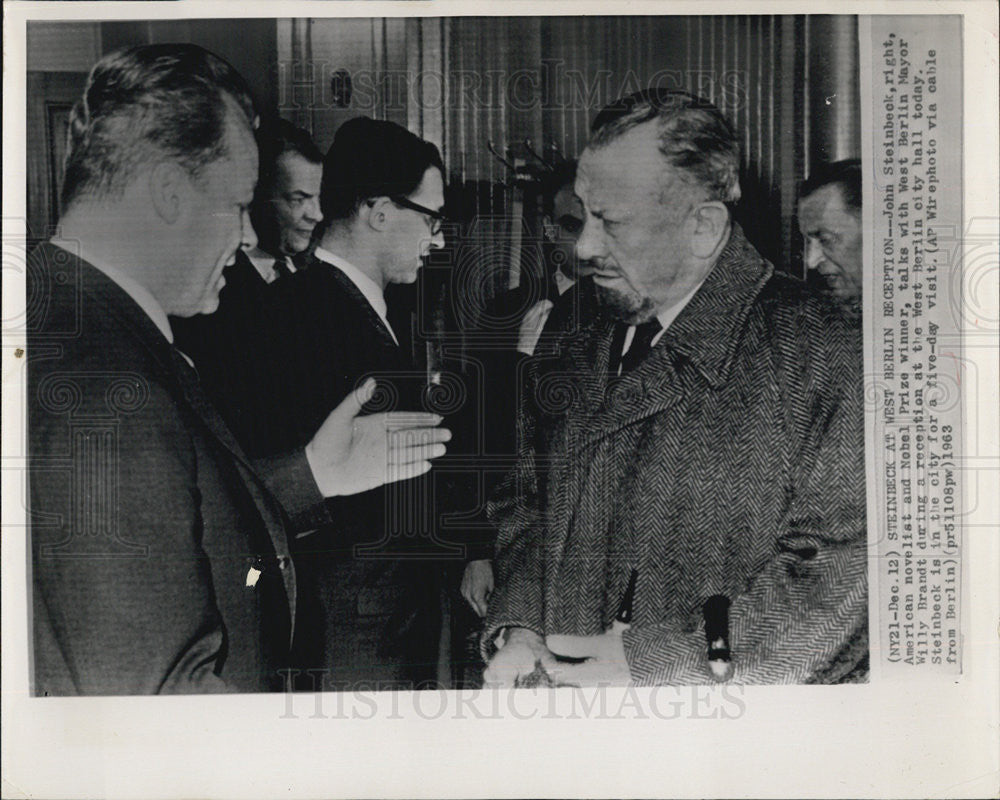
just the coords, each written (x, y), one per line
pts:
(51, 96)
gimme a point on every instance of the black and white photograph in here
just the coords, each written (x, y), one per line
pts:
(474, 363)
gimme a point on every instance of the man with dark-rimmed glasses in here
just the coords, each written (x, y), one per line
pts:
(369, 618)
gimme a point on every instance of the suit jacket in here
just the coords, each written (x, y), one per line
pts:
(159, 554)
(368, 612)
(731, 461)
(233, 347)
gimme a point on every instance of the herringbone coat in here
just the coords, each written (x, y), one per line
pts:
(731, 461)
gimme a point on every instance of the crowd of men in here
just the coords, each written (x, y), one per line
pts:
(250, 503)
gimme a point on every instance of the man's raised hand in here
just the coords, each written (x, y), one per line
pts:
(351, 453)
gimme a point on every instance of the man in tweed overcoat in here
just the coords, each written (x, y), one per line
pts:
(723, 455)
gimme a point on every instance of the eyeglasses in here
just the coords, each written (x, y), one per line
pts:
(435, 219)
(572, 225)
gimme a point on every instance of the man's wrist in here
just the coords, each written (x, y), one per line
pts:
(518, 635)
(315, 471)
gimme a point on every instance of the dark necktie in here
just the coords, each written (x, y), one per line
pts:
(281, 269)
(642, 342)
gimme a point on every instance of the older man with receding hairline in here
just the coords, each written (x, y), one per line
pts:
(692, 503)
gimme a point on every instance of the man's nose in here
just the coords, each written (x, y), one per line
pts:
(248, 236)
(313, 213)
(590, 245)
(437, 240)
(814, 254)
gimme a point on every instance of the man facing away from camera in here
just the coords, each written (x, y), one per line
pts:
(160, 558)
(830, 222)
(696, 470)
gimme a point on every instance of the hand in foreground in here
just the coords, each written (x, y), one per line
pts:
(517, 659)
(531, 326)
(605, 663)
(351, 454)
(477, 584)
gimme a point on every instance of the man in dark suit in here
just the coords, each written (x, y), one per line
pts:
(692, 504)
(369, 598)
(160, 558)
(284, 213)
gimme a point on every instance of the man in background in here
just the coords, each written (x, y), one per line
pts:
(160, 552)
(371, 608)
(695, 469)
(502, 358)
(286, 209)
(226, 346)
(830, 221)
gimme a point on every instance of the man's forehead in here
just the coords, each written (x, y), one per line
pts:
(241, 146)
(826, 203)
(628, 169)
(294, 168)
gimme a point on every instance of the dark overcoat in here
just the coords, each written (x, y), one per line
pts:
(160, 558)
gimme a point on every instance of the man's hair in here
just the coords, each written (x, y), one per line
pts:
(845, 174)
(273, 141)
(563, 174)
(145, 103)
(372, 158)
(694, 137)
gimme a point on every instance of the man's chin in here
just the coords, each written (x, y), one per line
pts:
(209, 304)
(625, 307)
(406, 277)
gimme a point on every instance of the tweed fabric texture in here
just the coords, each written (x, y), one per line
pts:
(730, 461)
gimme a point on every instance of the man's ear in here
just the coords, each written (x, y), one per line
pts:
(710, 229)
(375, 212)
(168, 185)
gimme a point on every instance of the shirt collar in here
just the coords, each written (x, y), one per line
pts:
(664, 318)
(562, 282)
(139, 293)
(263, 262)
(371, 291)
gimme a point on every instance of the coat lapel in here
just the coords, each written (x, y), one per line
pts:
(120, 305)
(347, 285)
(605, 404)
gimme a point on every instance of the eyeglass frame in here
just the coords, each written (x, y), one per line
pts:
(438, 219)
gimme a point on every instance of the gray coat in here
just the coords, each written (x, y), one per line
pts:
(731, 461)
